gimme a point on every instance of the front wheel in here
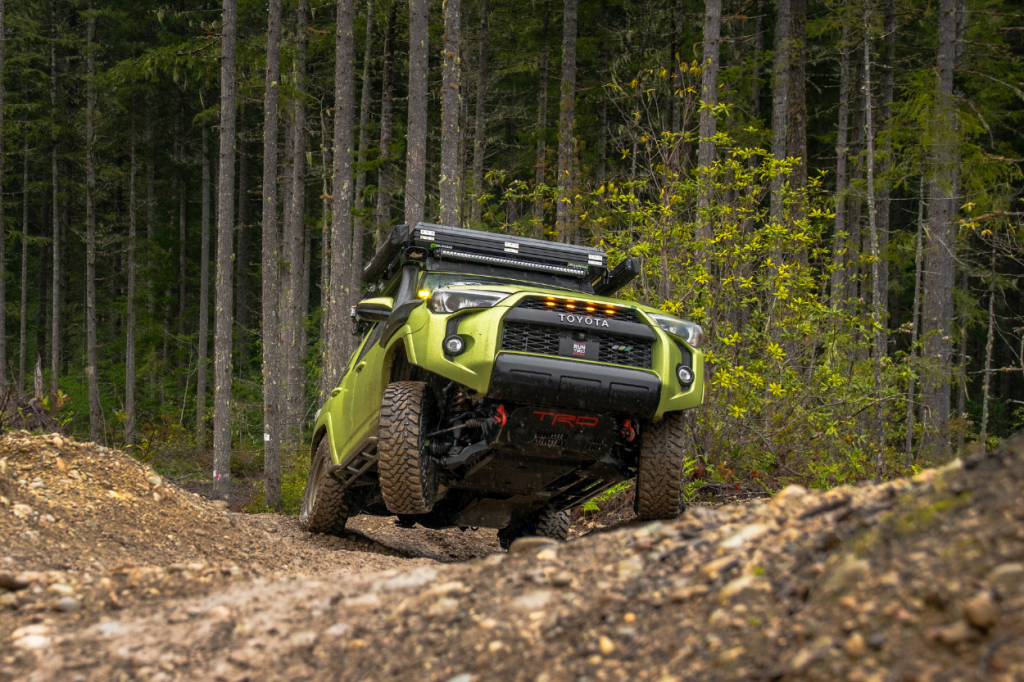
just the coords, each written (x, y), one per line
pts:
(408, 474)
(659, 480)
(324, 509)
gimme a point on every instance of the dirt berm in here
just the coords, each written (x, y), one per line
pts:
(109, 573)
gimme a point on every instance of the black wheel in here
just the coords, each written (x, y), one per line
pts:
(324, 509)
(408, 475)
(548, 523)
(659, 480)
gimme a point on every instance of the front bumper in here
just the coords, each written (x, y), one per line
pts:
(571, 384)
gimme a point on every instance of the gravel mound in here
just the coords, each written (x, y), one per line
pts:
(916, 579)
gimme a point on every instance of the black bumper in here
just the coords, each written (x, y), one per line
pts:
(571, 384)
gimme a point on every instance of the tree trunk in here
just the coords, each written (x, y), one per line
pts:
(24, 271)
(242, 303)
(961, 394)
(129, 356)
(909, 445)
(563, 213)
(876, 312)
(416, 138)
(480, 138)
(183, 362)
(884, 162)
(365, 102)
(838, 234)
(3, 230)
(55, 216)
(223, 323)
(346, 246)
(938, 278)
(204, 297)
(780, 100)
(853, 199)
(463, 124)
(387, 106)
(450, 96)
(708, 121)
(292, 304)
(269, 260)
(91, 370)
(542, 124)
(796, 100)
(985, 391)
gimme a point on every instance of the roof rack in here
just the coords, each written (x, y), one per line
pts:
(488, 248)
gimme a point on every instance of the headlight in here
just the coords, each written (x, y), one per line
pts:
(454, 300)
(687, 331)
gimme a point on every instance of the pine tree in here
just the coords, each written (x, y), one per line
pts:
(450, 96)
(563, 221)
(416, 126)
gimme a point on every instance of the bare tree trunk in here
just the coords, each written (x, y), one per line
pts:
(961, 393)
(3, 230)
(938, 277)
(563, 213)
(780, 100)
(182, 260)
(24, 271)
(242, 302)
(878, 428)
(853, 201)
(129, 357)
(269, 260)
(293, 305)
(387, 106)
(463, 125)
(450, 96)
(542, 124)
(838, 236)
(358, 229)
(95, 414)
(204, 297)
(796, 100)
(346, 246)
(55, 216)
(985, 391)
(416, 139)
(885, 162)
(708, 121)
(223, 324)
(914, 325)
(480, 138)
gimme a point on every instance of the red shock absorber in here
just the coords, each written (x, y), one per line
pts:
(627, 430)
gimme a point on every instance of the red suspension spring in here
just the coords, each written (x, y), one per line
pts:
(460, 402)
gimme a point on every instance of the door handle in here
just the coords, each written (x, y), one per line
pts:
(335, 391)
(359, 367)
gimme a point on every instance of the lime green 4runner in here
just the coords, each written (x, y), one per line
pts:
(499, 384)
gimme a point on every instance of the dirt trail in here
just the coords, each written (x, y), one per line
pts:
(909, 580)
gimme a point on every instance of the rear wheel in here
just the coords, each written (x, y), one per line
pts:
(408, 475)
(659, 480)
(324, 509)
(549, 523)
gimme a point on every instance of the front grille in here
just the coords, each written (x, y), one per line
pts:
(560, 305)
(544, 340)
(530, 338)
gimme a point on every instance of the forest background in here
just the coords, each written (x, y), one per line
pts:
(831, 188)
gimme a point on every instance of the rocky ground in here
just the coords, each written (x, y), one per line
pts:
(108, 573)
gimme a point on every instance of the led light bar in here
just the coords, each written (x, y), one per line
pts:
(511, 262)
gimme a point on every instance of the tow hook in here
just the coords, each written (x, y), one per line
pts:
(627, 430)
(501, 417)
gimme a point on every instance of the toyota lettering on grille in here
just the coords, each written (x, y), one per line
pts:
(582, 319)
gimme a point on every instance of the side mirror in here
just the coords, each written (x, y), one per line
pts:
(373, 309)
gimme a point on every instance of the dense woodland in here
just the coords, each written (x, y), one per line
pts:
(833, 189)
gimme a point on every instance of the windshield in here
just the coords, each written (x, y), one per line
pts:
(440, 280)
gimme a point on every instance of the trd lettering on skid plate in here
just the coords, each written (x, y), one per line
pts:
(569, 419)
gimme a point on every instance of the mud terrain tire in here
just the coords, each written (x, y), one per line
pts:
(324, 509)
(659, 480)
(408, 475)
(547, 524)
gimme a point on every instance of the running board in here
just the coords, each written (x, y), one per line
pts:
(352, 470)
